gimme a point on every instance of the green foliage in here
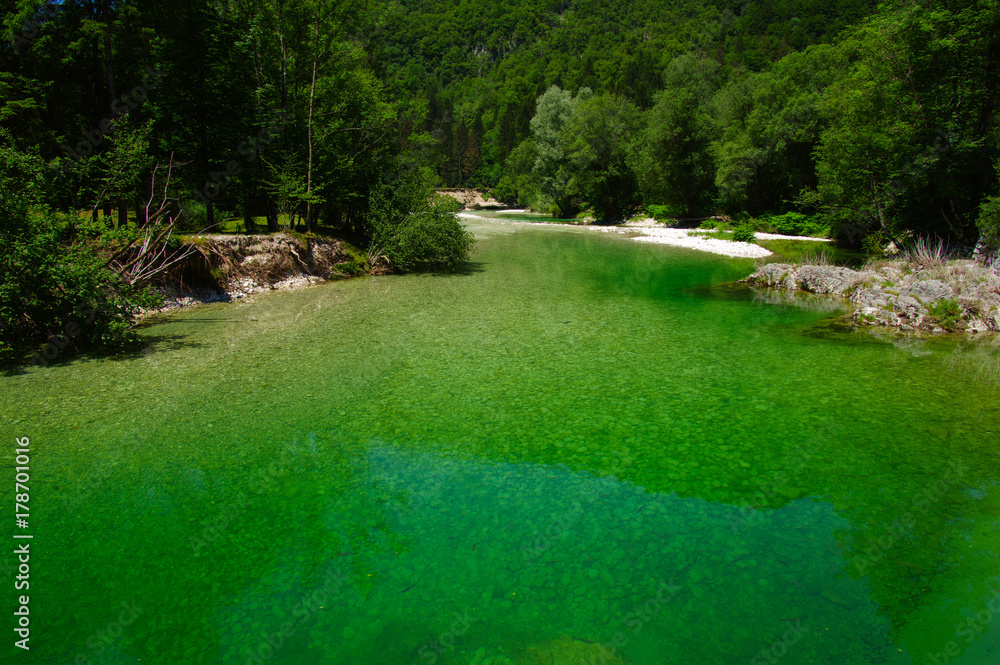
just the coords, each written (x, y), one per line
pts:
(658, 212)
(194, 216)
(517, 185)
(989, 222)
(673, 161)
(947, 312)
(798, 224)
(744, 233)
(906, 149)
(718, 234)
(287, 183)
(357, 263)
(553, 171)
(771, 123)
(480, 65)
(413, 232)
(56, 294)
(597, 138)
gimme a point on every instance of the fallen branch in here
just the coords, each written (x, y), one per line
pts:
(149, 254)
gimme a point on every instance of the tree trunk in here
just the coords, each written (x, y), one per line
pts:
(248, 224)
(309, 126)
(140, 212)
(272, 216)
(109, 66)
(284, 57)
(122, 212)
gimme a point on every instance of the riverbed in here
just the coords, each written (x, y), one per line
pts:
(577, 436)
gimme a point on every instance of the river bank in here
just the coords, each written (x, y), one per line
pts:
(907, 296)
(649, 230)
(226, 268)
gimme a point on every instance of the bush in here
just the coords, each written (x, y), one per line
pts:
(56, 294)
(414, 232)
(744, 233)
(798, 224)
(194, 217)
(989, 222)
(947, 312)
(659, 212)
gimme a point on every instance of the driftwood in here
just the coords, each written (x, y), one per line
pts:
(150, 254)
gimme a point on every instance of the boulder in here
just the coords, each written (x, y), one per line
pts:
(930, 289)
(826, 279)
(569, 651)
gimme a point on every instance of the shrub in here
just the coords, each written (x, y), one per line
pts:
(799, 224)
(430, 239)
(658, 212)
(989, 222)
(414, 232)
(194, 217)
(744, 233)
(947, 312)
(56, 293)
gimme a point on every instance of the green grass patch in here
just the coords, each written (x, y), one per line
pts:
(947, 312)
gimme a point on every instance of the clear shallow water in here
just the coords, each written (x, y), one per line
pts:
(579, 437)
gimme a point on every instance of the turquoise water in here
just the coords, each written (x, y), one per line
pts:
(579, 441)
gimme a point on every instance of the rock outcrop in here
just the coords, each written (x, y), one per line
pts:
(814, 279)
(954, 296)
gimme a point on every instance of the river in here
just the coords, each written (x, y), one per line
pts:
(577, 436)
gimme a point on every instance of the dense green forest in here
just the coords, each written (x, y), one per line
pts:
(880, 121)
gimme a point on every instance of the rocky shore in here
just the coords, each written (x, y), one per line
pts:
(953, 296)
(224, 268)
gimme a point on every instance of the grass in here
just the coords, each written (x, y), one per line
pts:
(820, 258)
(926, 253)
(718, 234)
(948, 313)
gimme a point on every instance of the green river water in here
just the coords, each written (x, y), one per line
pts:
(579, 436)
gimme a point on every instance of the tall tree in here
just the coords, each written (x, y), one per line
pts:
(552, 169)
(598, 139)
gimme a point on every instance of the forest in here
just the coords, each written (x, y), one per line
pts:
(873, 122)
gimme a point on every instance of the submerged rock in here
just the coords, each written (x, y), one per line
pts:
(569, 651)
